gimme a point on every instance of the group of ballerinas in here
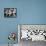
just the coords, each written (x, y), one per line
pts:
(10, 12)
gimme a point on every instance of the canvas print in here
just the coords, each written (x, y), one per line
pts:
(30, 35)
(33, 32)
(10, 12)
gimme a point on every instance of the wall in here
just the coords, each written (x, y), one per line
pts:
(33, 12)
(28, 12)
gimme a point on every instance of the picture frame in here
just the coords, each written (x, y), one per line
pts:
(34, 30)
(10, 12)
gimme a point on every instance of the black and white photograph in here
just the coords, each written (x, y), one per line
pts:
(32, 35)
(10, 12)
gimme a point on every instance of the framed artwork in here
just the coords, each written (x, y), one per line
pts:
(10, 12)
(32, 32)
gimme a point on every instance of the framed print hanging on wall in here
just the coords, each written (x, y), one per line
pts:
(10, 12)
